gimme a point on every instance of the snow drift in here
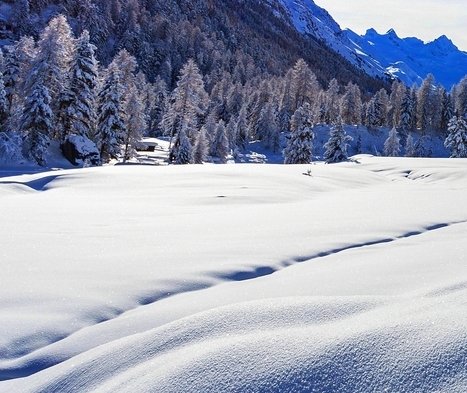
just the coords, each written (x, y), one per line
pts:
(347, 277)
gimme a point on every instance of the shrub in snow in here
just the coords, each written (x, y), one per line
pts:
(456, 140)
(336, 146)
(78, 147)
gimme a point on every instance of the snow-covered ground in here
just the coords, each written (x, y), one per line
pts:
(348, 277)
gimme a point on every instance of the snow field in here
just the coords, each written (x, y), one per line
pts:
(236, 278)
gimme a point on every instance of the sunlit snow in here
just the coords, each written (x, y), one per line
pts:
(345, 277)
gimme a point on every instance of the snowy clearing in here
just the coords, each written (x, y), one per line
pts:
(348, 277)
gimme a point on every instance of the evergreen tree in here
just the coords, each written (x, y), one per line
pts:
(419, 147)
(110, 128)
(336, 146)
(447, 112)
(456, 140)
(4, 114)
(392, 144)
(52, 65)
(461, 98)
(221, 144)
(200, 150)
(299, 147)
(182, 151)
(36, 123)
(409, 147)
(10, 147)
(81, 110)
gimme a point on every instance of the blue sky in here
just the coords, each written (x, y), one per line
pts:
(425, 19)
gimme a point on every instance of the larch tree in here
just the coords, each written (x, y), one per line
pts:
(336, 146)
(351, 105)
(243, 129)
(187, 103)
(299, 149)
(392, 144)
(304, 86)
(135, 125)
(456, 140)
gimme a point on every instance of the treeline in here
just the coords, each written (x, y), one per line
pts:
(164, 35)
(52, 89)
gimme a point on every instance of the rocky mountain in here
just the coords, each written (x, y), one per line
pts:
(408, 59)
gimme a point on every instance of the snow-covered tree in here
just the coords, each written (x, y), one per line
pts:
(392, 144)
(135, 125)
(36, 123)
(187, 103)
(299, 147)
(420, 147)
(110, 126)
(456, 140)
(304, 87)
(10, 147)
(52, 64)
(242, 129)
(266, 127)
(181, 152)
(409, 147)
(81, 110)
(351, 105)
(336, 146)
(220, 145)
(200, 150)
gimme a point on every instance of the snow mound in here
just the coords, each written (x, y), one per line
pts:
(289, 344)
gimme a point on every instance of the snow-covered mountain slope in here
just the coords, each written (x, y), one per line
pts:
(409, 59)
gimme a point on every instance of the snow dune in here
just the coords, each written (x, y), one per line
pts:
(236, 278)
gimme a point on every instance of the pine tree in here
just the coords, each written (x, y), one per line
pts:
(419, 147)
(182, 151)
(52, 65)
(336, 146)
(409, 147)
(200, 150)
(299, 147)
(10, 147)
(392, 144)
(36, 123)
(110, 128)
(220, 145)
(456, 140)
(81, 111)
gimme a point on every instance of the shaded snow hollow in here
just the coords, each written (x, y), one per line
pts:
(247, 278)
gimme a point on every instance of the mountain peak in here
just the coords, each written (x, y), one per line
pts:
(391, 33)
